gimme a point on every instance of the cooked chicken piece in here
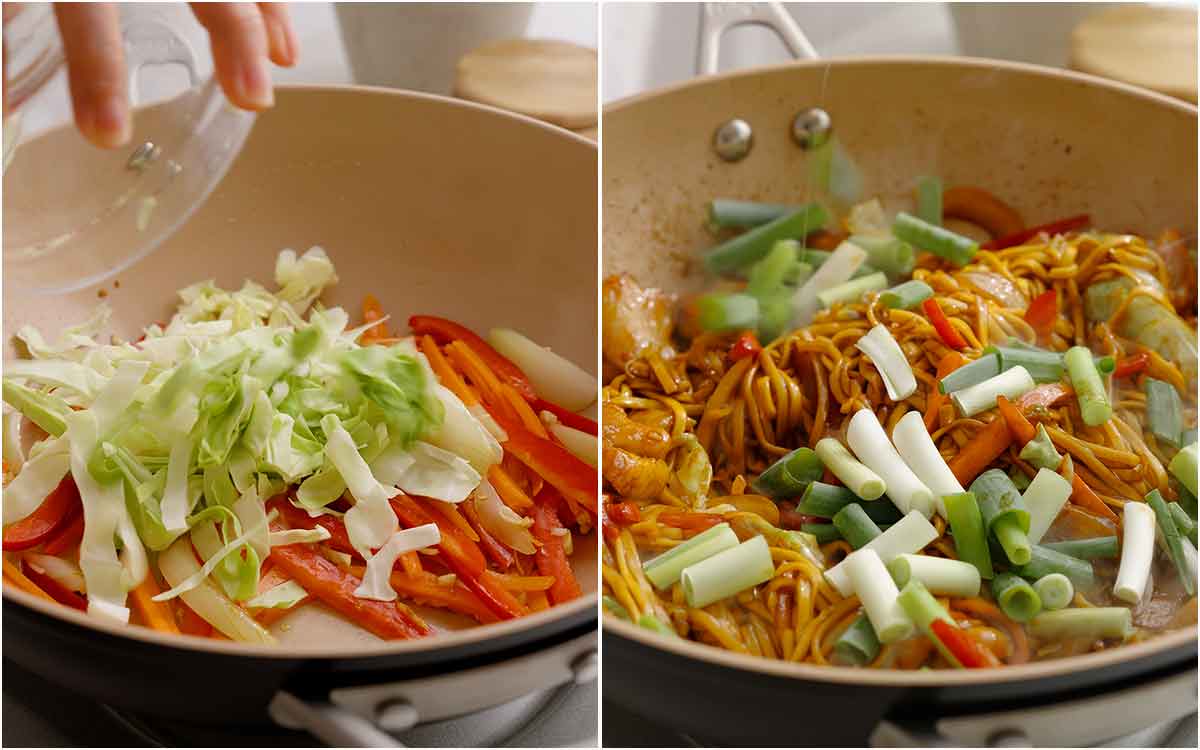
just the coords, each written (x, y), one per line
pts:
(634, 477)
(636, 437)
(635, 320)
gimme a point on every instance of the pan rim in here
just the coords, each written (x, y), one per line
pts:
(1177, 640)
(558, 615)
(948, 61)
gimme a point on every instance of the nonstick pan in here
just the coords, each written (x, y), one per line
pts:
(1051, 142)
(435, 206)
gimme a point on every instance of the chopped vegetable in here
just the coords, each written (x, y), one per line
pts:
(1062, 226)
(568, 418)
(889, 360)
(969, 653)
(790, 475)
(1164, 411)
(1042, 366)
(1173, 539)
(970, 533)
(1082, 622)
(1089, 388)
(1055, 590)
(943, 243)
(941, 575)
(925, 612)
(1137, 553)
(444, 331)
(870, 443)
(858, 644)
(857, 477)
(972, 373)
(906, 296)
(984, 448)
(1131, 365)
(908, 535)
(1042, 313)
(728, 572)
(744, 249)
(1043, 561)
(746, 347)
(934, 398)
(551, 556)
(824, 533)
(552, 376)
(945, 331)
(1184, 467)
(981, 208)
(1040, 452)
(376, 583)
(1004, 513)
(1045, 497)
(929, 200)
(916, 447)
(1185, 523)
(869, 579)
(724, 213)
(664, 570)
(178, 563)
(727, 312)
(58, 510)
(614, 606)
(825, 500)
(853, 290)
(840, 266)
(980, 397)
(650, 622)
(1016, 597)
(1093, 548)
(895, 258)
(855, 525)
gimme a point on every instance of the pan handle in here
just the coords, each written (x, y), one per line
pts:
(717, 18)
(1086, 721)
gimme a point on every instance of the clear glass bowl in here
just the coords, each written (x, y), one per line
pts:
(75, 214)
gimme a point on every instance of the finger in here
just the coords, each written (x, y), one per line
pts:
(239, 46)
(281, 37)
(91, 37)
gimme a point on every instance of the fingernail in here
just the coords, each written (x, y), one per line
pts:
(253, 84)
(280, 43)
(108, 122)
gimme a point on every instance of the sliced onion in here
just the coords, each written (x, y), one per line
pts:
(63, 571)
(178, 563)
(554, 377)
(998, 288)
(502, 521)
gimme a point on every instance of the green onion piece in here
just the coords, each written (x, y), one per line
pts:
(1043, 561)
(1016, 597)
(980, 397)
(969, 531)
(855, 525)
(1004, 513)
(906, 296)
(1189, 436)
(774, 315)
(724, 213)
(767, 276)
(929, 200)
(614, 606)
(824, 533)
(910, 534)
(887, 254)
(1164, 411)
(853, 290)
(1106, 364)
(1019, 480)
(1093, 548)
(923, 609)
(727, 312)
(790, 475)
(1089, 388)
(1183, 467)
(739, 252)
(650, 622)
(943, 243)
(864, 270)
(857, 644)
(940, 575)
(1042, 366)
(814, 258)
(869, 580)
(1040, 451)
(1044, 499)
(1185, 523)
(1082, 622)
(728, 572)
(857, 477)
(798, 273)
(1055, 590)
(972, 373)
(43, 409)
(825, 500)
(1171, 535)
(664, 570)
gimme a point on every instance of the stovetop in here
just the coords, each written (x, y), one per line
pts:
(38, 713)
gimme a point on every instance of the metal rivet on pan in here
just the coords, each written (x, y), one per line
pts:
(733, 140)
(586, 667)
(811, 128)
(396, 715)
(142, 156)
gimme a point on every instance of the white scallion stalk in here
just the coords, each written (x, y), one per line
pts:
(728, 572)
(178, 564)
(940, 575)
(664, 570)
(853, 473)
(916, 447)
(1055, 590)
(1137, 552)
(1044, 498)
(1012, 384)
(870, 443)
(836, 269)
(554, 377)
(376, 583)
(908, 535)
(879, 596)
(889, 360)
(581, 444)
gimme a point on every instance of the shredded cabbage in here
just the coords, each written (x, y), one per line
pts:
(284, 596)
(502, 521)
(376, 582)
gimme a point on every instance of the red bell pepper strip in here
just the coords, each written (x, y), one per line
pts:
(444, 331)
(499, 554)
(568, 418)
(941, 324)
(623, 513)
(1131, 365)
(1042, 313)
(65, 538)
(191, 623)
(1055, 227)
(56, 511)
(59, 592)
(425, 589)
(335, 587)
(551, 557)
(461, 555)
(745, 347)
(559, 467)
(968, 652)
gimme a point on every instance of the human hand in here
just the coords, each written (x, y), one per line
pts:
(243, 37)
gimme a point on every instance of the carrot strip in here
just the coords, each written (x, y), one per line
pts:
(1017, 423)
(445, 372)
(373, 311)
(509, 491)
(444, 331)
(156, 615)
(15, 577)
(411, 563)
(525, 583)
(975, 456)
(450, 512)
(482, 378)
(933, 404)
(521, 407)
(537, 601)
(1083, 496)
(495, 550)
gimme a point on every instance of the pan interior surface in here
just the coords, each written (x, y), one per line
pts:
(432, 205)
(1050, 143)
